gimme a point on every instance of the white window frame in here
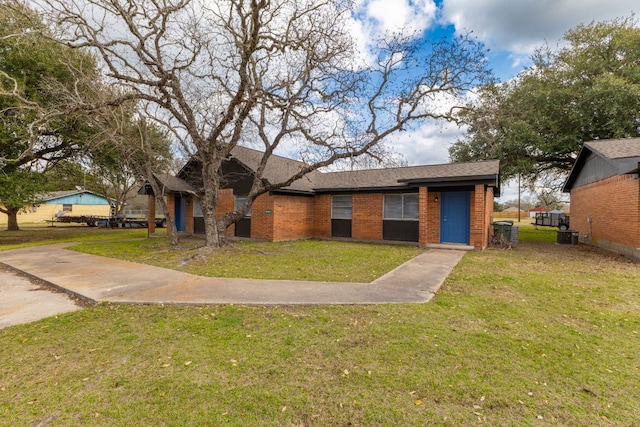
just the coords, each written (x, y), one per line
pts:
(335, 198)
(403, 216)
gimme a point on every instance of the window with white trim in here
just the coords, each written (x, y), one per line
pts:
(341, 206)
(401, 207)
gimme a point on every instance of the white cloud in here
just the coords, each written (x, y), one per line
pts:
(518, 26)
(374, 18)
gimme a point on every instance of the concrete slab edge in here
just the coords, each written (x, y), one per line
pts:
(51, 286)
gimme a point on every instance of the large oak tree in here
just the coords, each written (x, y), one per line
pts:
(587, 89)
(37, 126)
(273, 74)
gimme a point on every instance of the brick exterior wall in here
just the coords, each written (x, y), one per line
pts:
(322, 215)
(614, 207)
(292, 217)
(366, 219)
(433, 217)
(479, 227)
(262, 222)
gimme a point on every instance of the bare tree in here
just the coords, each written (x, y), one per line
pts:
(274, 74)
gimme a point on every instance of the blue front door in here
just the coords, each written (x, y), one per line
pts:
(454, 217)
(181, 211)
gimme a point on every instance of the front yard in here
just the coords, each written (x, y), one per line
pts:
(541, 334)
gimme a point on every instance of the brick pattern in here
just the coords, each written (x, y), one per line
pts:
(292, 217)
(367, 216)
(478, 235)
(322, 215)
(262, 222)
(614, 206)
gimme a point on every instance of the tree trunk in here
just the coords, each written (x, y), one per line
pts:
(12, 218)
(209, 204)
(159, 195)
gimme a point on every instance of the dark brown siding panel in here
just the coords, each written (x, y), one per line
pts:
(340, 228)
(243, 227)
(405, 231)
(198, 225)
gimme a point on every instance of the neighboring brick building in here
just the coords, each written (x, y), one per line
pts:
(433, 204)
(605, 195)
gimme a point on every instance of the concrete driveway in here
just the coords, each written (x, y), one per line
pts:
(91, 279)
(23, 300)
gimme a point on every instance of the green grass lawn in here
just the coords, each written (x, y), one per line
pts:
(296, 260)
(541, 334)
(42, 234)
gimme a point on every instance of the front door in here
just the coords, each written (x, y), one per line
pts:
(181, 212)
(455, 217)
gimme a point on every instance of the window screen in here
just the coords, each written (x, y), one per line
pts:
(403, 207)
(341, 207)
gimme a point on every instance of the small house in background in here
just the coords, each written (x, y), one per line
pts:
(605, 195)
(56, 203)
(430, 205)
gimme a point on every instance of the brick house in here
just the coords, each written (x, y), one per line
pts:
(605, 195)
(427, 205)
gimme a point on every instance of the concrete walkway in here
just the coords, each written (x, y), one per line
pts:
(99, 279)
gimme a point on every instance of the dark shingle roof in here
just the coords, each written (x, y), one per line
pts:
(278, 168)
(616, 148)
(402, 176)
(168, 183)
(173, 184)
(623, 155)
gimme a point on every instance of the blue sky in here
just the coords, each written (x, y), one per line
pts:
(510, 29)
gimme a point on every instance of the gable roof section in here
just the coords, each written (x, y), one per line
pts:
(622, 155)
(280, 168)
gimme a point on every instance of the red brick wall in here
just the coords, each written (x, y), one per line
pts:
(366, 220)
(261, 221)
(292, 217)
(478, 228)
(429, 217)
(322, 215)
(488, 215)
(614, 206)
